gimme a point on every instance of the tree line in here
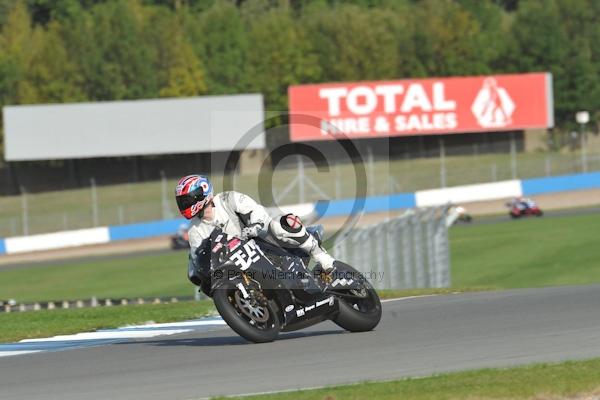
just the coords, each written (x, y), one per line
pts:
(54, 51)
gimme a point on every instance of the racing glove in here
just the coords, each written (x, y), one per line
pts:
(250, 232)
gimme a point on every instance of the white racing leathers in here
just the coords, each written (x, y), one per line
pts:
(289, 231)
(234, 211)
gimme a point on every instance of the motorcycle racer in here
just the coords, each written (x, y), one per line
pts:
(522, 203)
(239, 215)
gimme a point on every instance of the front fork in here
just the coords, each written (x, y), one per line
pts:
(243, 285)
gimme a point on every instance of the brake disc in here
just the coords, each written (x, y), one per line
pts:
(251, 308)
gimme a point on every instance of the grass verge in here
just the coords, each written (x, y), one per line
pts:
(513, 254)
(35, 324)
(127, 276)
(396, 294)
(45, 323)
(572, 380)
(532, 252)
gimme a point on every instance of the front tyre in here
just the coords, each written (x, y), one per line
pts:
(361, 311)
(254, 318)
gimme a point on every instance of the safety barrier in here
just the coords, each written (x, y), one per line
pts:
(56, 240)
(463, 194)
(564, 183)
(405, 252)
(143, 230)
(367, 205)
(423, 198)
(101, 235)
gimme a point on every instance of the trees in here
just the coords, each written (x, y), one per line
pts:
(351, 43)
(74, 50)
(581, 74)
(219, 37)
(180, 72)
(35, 64)
(450, 40)
(536, 46)
(109, 45)
(280, 56)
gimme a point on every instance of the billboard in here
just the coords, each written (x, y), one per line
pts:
(422, 106)
(131, 128)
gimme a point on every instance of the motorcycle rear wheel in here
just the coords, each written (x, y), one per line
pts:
(360, 313)
(254, 321)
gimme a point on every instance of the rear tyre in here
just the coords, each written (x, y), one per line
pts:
(253, 319)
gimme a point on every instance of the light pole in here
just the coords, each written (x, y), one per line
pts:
(442, 163)
(582, 118)
(25, 211)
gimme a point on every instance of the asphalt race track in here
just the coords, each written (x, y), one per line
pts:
(500, 218)
(416, 337)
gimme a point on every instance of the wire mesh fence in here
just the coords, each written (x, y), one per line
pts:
(296, 182)
(406, 252)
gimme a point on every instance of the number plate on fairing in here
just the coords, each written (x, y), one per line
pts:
(246, 255)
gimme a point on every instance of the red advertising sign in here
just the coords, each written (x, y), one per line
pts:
(422, 106)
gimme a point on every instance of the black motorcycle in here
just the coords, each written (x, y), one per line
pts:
(261, 289)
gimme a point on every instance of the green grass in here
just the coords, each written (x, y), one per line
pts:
(120, 277)
(527, 253)
(17, 326)
(395, 294)
(128, 203)
(536, 382)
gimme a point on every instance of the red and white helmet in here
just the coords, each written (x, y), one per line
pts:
(193, 193)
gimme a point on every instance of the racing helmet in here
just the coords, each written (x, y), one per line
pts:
(193, 193)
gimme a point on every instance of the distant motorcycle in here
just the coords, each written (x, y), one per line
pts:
(180, 240)
(460, 214)
(523, 208)
(261, 289)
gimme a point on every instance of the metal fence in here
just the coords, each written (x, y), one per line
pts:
(298, 181)
(406, 252)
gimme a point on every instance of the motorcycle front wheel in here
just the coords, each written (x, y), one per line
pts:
(254, 318)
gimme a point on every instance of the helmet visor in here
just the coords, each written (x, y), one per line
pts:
(187, 200)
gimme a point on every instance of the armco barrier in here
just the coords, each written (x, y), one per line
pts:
(563, 183)
(337, 208)
(468, 193)
(145, 229)
(56, 240)
(166, 227)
